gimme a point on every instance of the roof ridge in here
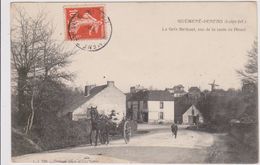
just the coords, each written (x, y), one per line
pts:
(93, 92)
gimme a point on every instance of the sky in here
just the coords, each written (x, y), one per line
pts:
(140, 52)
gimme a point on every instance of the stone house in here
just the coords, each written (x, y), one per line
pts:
(151, 106)
(105, 97)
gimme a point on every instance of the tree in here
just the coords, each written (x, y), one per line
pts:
(38, 59)
(25, 47)
(249, 74)
(249, 78)
(220, 106)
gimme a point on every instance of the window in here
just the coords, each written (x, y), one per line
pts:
(161, 115)
(161, 104)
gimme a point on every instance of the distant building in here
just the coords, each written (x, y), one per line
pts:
(137, 88)
(151, 106)
(192, 116)
(177, 91)
(170, 90)
(105, 97)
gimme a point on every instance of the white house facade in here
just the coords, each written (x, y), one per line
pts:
(160, 111)
(106, 98)
(192, 115)
(151, 106)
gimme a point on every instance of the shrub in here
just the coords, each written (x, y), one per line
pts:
(21, 144)
(56, 133)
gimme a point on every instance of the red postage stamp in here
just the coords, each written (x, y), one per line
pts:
(85, 23)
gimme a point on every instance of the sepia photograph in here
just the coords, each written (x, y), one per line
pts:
(133, 82)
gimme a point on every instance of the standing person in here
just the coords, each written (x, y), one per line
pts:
(174, 128)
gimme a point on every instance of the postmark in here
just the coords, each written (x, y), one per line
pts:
(88, 27)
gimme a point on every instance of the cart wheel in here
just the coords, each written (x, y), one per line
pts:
(127, 132)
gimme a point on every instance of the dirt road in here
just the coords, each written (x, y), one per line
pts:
(154, 144)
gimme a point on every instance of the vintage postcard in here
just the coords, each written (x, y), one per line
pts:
(133, 82)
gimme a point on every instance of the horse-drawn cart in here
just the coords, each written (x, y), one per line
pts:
(110, 125)
(123, 128)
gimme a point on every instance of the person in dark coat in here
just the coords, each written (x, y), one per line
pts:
(174, 128)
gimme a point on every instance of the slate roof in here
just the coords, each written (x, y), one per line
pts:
(77, 102)
(152, 95)
(94, 91)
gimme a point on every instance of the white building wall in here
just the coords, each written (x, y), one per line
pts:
(110, 98)
(188, 113)
(154, 110)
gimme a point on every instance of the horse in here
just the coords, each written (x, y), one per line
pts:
(174, 129)
(95, 123)
(101, 125)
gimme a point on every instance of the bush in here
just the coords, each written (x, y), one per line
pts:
(62, 133)
(21, 145)
(246, 133)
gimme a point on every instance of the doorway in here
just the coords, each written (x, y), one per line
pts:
(145, 117)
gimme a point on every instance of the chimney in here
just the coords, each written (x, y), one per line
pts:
(132, 90)
(110, 83)
(87, 90)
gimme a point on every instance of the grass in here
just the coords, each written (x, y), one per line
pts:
(226, 149)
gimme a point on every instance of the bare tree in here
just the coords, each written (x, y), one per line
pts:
(25, 48)
(36, 57)
(249, 74)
